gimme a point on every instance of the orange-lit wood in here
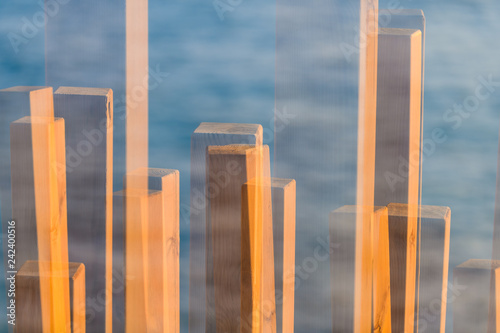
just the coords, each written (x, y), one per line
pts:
(163, 247)
(476, 306)
(28, 302)
(88, 116)
(374, 309)
(434, 261)
(283, 206)
(403, 254)
(49, 186)
(228, 168)
(201, 274)
(258, 308)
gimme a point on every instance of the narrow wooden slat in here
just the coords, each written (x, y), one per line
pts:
(163, 249)
(49, 187)
(228, 168)
(434, 260)
(283, 206)
(374, 310)
(403, 221)
(88, 115)
(28, 301)
(207, 134)
(476, 300)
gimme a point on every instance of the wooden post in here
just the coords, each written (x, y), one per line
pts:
(476, 304)
(228, 168)
(88, 114)
(403, 220)
(28, 301)
(434, 260)
(207, 134)
(118, 291)
(367, 270)
(283, 206)
(163, 252)
(43, 138)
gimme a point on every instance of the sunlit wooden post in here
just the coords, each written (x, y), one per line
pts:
(43, 138)
(403, 221)
(163, 247)
(283, 206)
(476, 300)
(228, 168)
(28, 301)
(434, 261)
(207, 134)
(373, 273)
(88, 115)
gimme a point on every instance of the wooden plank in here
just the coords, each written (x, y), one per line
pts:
(163, 242)
(258, 305)
(120, 28)
(235, 165)
(374, 272)
(44, 137)
(434, 260)
(119, 262)
(207, 134)
(283, 207)
(476, 308)
(88, 114)
(28, 301)
(403, 221)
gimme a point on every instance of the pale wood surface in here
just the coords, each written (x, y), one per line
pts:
(403, 220)
(476, 303)
(49, 187)
(283, 206)
(163, 245)
(28, 302)
(88, 115)
(207, 134)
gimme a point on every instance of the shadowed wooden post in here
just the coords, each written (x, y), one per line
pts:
(374, 272)
(207, 134)
(44, 138)
(434, 260)
(118, 291)
(28, 302)
(88, 115)
(228, 168)
(476, 306)
(403, 221)
(163, 243)
(283, 206)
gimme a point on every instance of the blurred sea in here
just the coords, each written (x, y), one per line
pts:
(223, 71)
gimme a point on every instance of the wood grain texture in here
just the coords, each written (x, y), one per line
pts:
(49, 187)
(88, 115)
(28, 301)
(403, 221)
(283, 206)
(372, 278)
(228, 168)
(476, 306)
(163, 249)
(207, 134)
(434, 261)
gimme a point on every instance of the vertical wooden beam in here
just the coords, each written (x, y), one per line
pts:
(477, 307)
(434, 260)
(88, 114)
(403, 221)
(228, 168)
(44, 137)
(283, 206)
(28, 298)
(207, 134)
(119, 280)
(374, 273)
(163, 247)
